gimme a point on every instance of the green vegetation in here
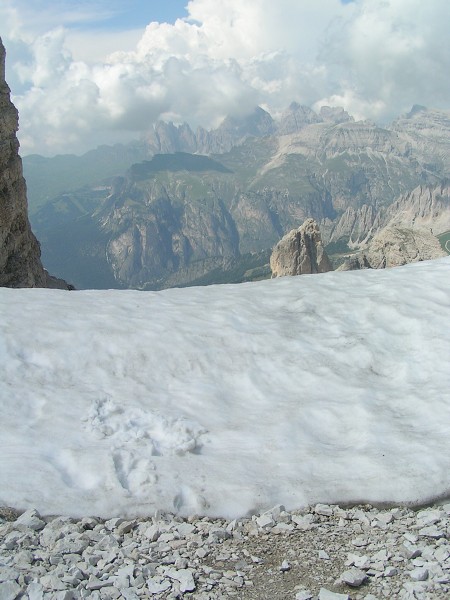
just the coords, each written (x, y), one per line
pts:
(339, 247)
(76, 250)
(253, 266)
(48, 177)
(179, 161)
(444, 239)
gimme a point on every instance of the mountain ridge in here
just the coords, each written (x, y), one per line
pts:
(174, 224)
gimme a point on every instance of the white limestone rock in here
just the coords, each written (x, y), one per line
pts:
(30, 519)
(300, 252)
(9, 590)
(325, 594)
(394, 246)
(354, 577)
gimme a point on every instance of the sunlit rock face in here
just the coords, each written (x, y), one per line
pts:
(300, 252)
(395, 246)
(20, 263)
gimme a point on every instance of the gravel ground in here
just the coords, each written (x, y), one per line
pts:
(321, 553)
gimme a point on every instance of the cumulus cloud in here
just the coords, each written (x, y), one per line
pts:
(374, 57)
(390, 55)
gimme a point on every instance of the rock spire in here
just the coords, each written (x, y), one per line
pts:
(300, 252)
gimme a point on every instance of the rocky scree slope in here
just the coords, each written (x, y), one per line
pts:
(20, 263)
(325, 552)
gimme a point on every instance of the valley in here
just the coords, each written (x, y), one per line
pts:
(180, 218)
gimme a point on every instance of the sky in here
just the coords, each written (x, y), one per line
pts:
(227, 400)
(83, 73)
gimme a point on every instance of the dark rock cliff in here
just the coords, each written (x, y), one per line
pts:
(20, 263)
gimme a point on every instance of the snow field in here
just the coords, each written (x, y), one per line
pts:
(225, 400)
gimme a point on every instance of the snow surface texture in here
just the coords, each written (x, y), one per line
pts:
(227, 399)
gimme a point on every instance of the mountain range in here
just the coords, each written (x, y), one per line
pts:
(181, 207)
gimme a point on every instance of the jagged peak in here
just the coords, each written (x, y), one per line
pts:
(2, 60)
(417, 108)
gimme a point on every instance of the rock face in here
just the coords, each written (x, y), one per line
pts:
(20, 263)
(425, 207)
(299, 252)
(395, 246)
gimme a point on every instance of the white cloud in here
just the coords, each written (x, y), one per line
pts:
(392, 54)
(375, 57)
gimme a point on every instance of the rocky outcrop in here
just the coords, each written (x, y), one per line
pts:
(425, 132)
(355, 225)
(300, 252)
(295, 118)
(425, 207)
(20, 263)
(233, 131)
(396, 246)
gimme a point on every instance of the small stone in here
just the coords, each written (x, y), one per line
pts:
(185, 577)
(285, 566)
(303, 595)
(276, 511)
(324, 555)
(353, 577)
(325, 594)
(112, 524)
(419, 574)
(52, 582)
(152, 533)
(97, 584)
(30, 519)
(390, 572)
(442, 553)
(360, 542)
(157, 585)
(218, 534)
(385, 518)
(9, 590)
(432, 532)
(63, 595)
(381, 556)
(8, 574)
(126, 527)
(362, 562)
(35, 591)
(265, 521)
(409, 551)
(129, 594)
(201, 552)
(89, 523)
(283, 528)
(323, 509)
(304, 522)
(428, 517)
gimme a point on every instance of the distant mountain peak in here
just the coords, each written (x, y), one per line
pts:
(258, 123)
(417, 108)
